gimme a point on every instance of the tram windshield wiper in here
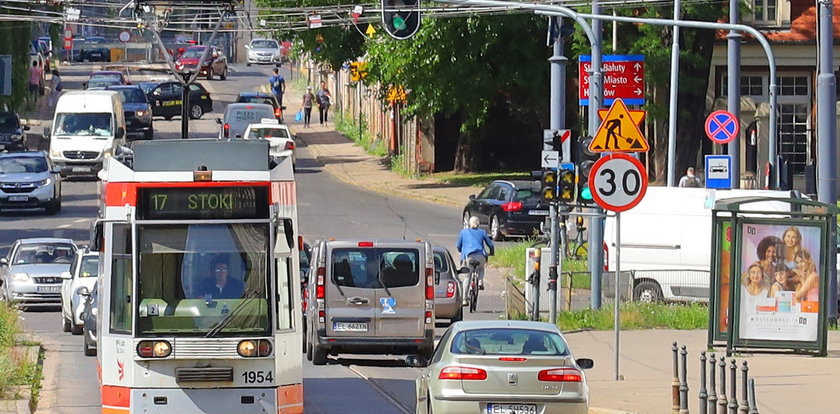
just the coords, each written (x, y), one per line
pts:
(221, 325)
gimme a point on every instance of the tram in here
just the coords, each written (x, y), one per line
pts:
(199, 289)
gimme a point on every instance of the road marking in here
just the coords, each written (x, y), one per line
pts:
(63, 226)
(443, 235)
(381, 390)
(82, 220)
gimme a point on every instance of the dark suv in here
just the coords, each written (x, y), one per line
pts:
(508, 209)
(11, 132)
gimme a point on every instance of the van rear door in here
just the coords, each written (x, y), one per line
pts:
(350, 290)
(400, 307)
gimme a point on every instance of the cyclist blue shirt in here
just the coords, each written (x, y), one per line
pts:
(472, 241)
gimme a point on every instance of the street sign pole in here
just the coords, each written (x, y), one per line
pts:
(616, 313)
(733, 88)
(672, 105)
(557, 122)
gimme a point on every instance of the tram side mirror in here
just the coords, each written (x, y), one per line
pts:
(416, 361)
(289, 231)
(585, 363)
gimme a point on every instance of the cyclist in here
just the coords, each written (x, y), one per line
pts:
(470, 244)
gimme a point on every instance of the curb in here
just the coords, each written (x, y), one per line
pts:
(598, 410)
(26, 405)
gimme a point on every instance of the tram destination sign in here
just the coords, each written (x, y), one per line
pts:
(184, 203)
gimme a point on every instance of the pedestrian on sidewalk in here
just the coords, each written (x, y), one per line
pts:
(278, 86)
(55, 87)
(324, 103)
(308, 98)
(689, 179)
(34, 81)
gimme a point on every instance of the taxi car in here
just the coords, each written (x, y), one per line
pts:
(166, 101)
(281, 141)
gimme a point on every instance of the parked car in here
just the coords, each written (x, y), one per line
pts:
(11, 132)
(508, 209)
(29, 180)
(262, 98)
(165, 98)
(138, 111)
(82, 274)
(215, 64)
(264, 51)
(31, 271)
(502, 367)
(281, 141)
(94, 49)
(370, 297)
(89, 315)
(448, 295)
(44, 49)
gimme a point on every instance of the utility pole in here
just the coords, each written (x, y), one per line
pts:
(826, 136)
(733, 89)
(557, 122)
(672, 105)
(596, 224)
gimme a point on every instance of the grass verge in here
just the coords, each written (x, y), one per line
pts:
(637, 315)
(477, 179)
(512, 255)
(16, 369)
(348, 126)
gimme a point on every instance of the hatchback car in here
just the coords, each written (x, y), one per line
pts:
(82, 274)
(166, 100)
(215, 64)
(104, 78)
(29, 180)
(11, 132)
(508, 209)
(264, 51)
(138, 112)
(94, 48)
(370, 297)
(31, 271)
(89, 315)
(447, 287)
(281, 141)
(519, 367)
(262, 98)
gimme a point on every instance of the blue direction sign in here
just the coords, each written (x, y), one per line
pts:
(722, 127)
(719, 171)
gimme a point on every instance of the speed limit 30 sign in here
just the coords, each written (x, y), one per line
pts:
(618, 181)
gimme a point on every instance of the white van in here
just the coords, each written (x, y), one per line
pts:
(666, 240)
(239, 115)
(88, 127)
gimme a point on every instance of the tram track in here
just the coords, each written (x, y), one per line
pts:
(390, 397)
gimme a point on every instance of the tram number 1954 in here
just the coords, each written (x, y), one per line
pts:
(257, 377)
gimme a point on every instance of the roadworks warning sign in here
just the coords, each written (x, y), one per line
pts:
(619, 131)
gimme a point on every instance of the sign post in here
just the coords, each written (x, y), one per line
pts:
(624, 78)
(68, 43)
(125, 36)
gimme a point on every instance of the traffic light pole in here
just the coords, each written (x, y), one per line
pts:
(557, 122)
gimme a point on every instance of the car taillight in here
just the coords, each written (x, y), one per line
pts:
(428, 317)
(513, 359)
(365, 244)
(430, 283)
(226, 129)
(450, 289)
(462, 373)
(319, 282)
(512, 206)
(290, 146)
(278, 112)
(560, 375)
(322, 316)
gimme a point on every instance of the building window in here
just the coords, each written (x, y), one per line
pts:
(793, 135)
(750, 86)
(764, 11)
(792, 85)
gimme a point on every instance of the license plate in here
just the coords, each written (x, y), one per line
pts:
(350, 326)
(96, 54)
(81, 169)
(18, 198)
(511, 409)
(538, 212)
(49, 289)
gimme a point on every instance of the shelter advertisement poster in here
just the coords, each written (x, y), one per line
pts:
(779, 285)
(724, 269)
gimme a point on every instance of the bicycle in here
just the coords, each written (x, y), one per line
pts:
(577, 248)
(472, 292)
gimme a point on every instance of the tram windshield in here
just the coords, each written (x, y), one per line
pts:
(203, 279)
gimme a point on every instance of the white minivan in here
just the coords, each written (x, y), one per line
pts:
(239, 115)
(666, 240)
(88, 127)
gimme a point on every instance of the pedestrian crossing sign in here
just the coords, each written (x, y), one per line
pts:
(619, 131)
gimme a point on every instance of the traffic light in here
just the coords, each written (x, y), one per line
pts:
(566, 185)
(584, 160)
(548, 188)
(401, 18)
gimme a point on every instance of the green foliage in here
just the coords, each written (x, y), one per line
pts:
(14, 41)
(512, 255)
(636, 315)
(15, 368)
(477, 179)
(348, 126)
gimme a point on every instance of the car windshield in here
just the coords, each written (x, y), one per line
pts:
(15, 165)
(264, 44)
(192, 276)
(147, 86)
(85, 124)
(193, 53)
(132, 95)
(90, 266)
(508, 341)
(102, 83)
(266, 132)
(8, 120)
(40, 253)
(371, 268)
(256, 100)
(106, 76)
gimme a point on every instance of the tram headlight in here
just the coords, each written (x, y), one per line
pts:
(250, 348)
(154, 349)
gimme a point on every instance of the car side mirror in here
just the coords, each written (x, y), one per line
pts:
(120, 133)
(84, 85)
(463, 270)
(472, 197)
(218, 121)
(4, 261)
(585, 363)
(416, 361)
(83, 291)
(66, 275)
(247, 46)
(47, 133)
(26, 128)
(56, 169)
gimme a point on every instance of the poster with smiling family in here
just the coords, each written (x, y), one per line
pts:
(778, 286)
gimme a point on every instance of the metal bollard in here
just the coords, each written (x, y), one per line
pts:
(712, 392)
(703, 396)
(721, 409)
(733, 387)
(744, 406)
(675, 383)
(683, 383)
(753, 404)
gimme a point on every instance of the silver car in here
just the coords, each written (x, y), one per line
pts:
(447, 287)
(29, 180)
(264, 51)
(31, 271)
(511, 367)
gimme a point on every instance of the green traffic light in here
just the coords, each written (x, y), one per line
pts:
(398, 22)
(586, 194)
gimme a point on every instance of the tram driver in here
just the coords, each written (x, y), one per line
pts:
(219, 285)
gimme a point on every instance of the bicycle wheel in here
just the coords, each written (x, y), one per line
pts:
(473, 295)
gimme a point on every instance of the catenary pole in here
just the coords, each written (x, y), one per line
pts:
(557, 121)
(733, 89)
(672, 105)
(596, 224)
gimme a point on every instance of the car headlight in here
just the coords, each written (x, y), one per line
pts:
(43, 182)
(17, 137)
(55, 153)
(140, 113)
(21, 277)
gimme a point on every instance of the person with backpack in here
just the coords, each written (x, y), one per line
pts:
(278, 86)
(324, 103)
(690, 180)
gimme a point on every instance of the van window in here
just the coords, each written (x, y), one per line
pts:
(373, 268)
(93, 124)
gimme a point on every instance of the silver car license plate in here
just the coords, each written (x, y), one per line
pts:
(48, 289)
(511, 409)
(350, 326)
(538, 212)
(18, 198)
